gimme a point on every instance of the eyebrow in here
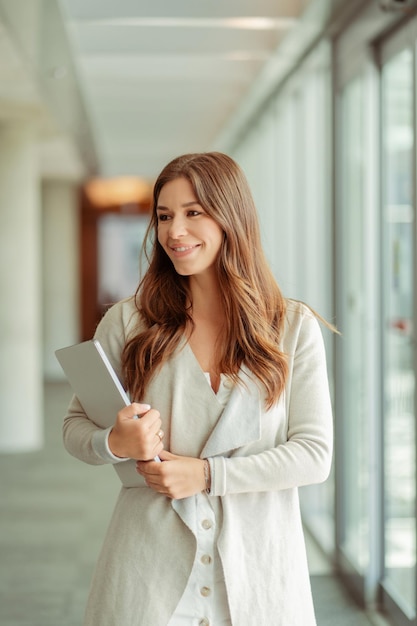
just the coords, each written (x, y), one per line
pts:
(184, 206)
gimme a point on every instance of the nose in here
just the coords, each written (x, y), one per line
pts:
(177, 227)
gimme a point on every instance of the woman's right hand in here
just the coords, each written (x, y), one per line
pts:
(139, 439)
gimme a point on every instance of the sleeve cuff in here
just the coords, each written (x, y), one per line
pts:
(218, 476)
(100, 445)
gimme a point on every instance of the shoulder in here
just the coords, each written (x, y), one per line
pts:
(297, 313)
(124, 312)
(122, 317)
(300, 325)
(119, 322)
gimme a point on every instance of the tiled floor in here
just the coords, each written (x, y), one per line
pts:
(53, 515)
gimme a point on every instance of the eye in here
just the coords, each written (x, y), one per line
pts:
(194, 213)
(162, 217)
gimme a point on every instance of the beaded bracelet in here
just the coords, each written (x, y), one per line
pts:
(207, 476)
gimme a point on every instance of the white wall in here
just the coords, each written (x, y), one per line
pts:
(61, 252)
(20, 311)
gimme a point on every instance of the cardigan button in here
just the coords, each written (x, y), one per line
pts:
(206, 559)
(204, 622)
(206, 524)
(205, 591)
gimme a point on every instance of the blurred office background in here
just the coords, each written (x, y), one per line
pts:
(316, 99)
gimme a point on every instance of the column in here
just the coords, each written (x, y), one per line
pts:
(60, 272)
(21, 397)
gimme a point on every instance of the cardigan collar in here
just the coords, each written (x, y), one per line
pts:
(240, 422)
(235, 425)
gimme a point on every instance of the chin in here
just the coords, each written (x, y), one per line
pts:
(181, 271)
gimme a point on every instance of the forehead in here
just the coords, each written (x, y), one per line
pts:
(177, 189)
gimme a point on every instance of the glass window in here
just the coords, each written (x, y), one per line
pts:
(120, 239)
(398, 360)
(354, 420)
(313, 231)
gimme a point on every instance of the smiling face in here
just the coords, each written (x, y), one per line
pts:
(188, 235)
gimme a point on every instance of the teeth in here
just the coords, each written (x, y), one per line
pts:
(183, 249)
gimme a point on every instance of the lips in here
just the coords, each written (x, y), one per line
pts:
(180, 249)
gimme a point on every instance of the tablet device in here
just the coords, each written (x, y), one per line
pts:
(94, 381)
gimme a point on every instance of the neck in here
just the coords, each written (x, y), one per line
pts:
(205, 294)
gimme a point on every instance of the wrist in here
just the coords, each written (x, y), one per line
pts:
(207, 476)
(113, 445)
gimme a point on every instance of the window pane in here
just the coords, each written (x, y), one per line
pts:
(398, 366)
(355, 421)
(120, 239)
(314, 271)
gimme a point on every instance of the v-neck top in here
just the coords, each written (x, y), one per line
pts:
(224, 390)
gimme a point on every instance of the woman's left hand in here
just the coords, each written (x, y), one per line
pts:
(177, 477)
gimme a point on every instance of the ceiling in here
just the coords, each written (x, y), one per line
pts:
(161, 78)
(119, 87)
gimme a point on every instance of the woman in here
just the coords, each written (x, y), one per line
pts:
(234, 400)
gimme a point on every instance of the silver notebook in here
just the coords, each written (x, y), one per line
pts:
(93, 381)
(97, 387)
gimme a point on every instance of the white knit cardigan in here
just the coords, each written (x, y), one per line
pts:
(258, 459)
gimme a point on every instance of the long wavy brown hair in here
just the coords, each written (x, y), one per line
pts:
(253, 304)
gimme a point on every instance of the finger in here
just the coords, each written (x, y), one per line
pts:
(150, 468)
(134, 410)
(167, 456)
(140, 408)
(147, 468)
(151, 420)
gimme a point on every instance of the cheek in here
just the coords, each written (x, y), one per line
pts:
(219, 240)
(159, 236)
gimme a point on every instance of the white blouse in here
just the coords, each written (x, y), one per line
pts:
(204, 601)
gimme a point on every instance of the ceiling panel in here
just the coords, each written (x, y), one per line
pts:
(106, 9)
(161, 78)
(92, 39)
(216, 68)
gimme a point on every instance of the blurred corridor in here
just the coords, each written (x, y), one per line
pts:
(317, 101)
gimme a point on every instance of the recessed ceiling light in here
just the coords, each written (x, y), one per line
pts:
(239, 23)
